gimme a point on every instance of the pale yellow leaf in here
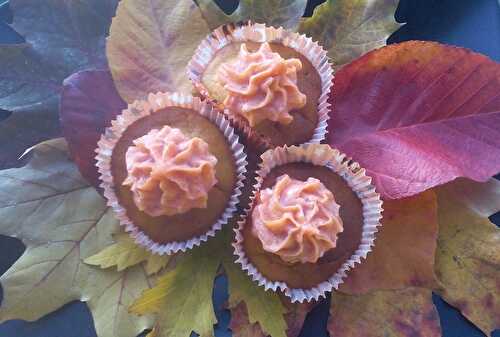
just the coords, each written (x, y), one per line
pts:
(62, 220)
(156, 262)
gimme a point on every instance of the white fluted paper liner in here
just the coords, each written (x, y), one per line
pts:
(141, 109)
(354, 176)
(257, 32)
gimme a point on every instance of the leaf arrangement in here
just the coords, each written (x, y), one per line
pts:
(417, 115)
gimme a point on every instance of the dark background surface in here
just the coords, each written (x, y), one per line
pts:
(474, 24)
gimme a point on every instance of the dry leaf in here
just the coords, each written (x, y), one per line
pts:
(384, 313)
(150, 44)
(61, 37)
(404, 250)
(278, 13)
(351, 28)
(89, 101)
(426, 113)
(62, 220)
(262, 307)
(182, 298)
(468, 255)
(125, 253)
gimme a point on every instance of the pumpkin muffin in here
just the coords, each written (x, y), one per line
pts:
(172, 169)
(314, 215)
(273, 84)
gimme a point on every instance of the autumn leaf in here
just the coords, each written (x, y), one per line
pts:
(425, 114)
(294, 318)
(150, 44)
(468, 255)
(404, 250)
(89, 102)
(384, 313)
(278, 13)
(125, 253)
(350, 28)
(262, 307)
(185, 293)
(62, 220)
(61, 37)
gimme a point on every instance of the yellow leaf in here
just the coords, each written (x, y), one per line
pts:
(348, 29)
(264, 307)
(468, 255)
(152, 41)
(62, 220)
(182, 298)
(126, 253)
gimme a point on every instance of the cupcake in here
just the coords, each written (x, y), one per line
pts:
(172, 169)
(273, 84)
(314, 214)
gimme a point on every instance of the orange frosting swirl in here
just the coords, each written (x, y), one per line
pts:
(297, 220)
(169, 173)
(262, 85)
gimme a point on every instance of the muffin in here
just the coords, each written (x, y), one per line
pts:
(314, 215)
(273, 84)
(172, 169)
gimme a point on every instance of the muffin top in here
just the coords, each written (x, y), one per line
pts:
(297, 220)
(262, 85)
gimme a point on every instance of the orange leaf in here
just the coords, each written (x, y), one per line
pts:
(388, 313)
(403, 255)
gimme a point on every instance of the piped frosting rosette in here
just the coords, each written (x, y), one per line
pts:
(284, 88)
(323, 220)
(185, 168)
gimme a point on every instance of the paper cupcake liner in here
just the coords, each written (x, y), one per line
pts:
(138, 110)
(355, 177)
(257, 32)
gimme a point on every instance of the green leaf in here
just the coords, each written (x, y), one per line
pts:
(62, 37)
(150, 44)
(468, 254)
(284, 13)
(351, 28)
(62, 220)
(126, 253)
(263, 307)
(182, 298)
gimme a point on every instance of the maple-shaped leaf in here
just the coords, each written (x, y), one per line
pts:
(468, 255)
(278, 13)
(417, 115)
(404, 250)
(62, 220)
(150, 44)
(182, 297)
(125, 253)
(387, 313)
(89, 102)
(296, 314)
(262, 307)
(61, 37)
(348, 29)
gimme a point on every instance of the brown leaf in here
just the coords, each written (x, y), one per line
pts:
(403, 255)
(384, 313)
(468, 255)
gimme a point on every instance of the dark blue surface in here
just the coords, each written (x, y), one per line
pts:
(473, 24)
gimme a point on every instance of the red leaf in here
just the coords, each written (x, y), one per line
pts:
(89, 102)
(419, 114)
